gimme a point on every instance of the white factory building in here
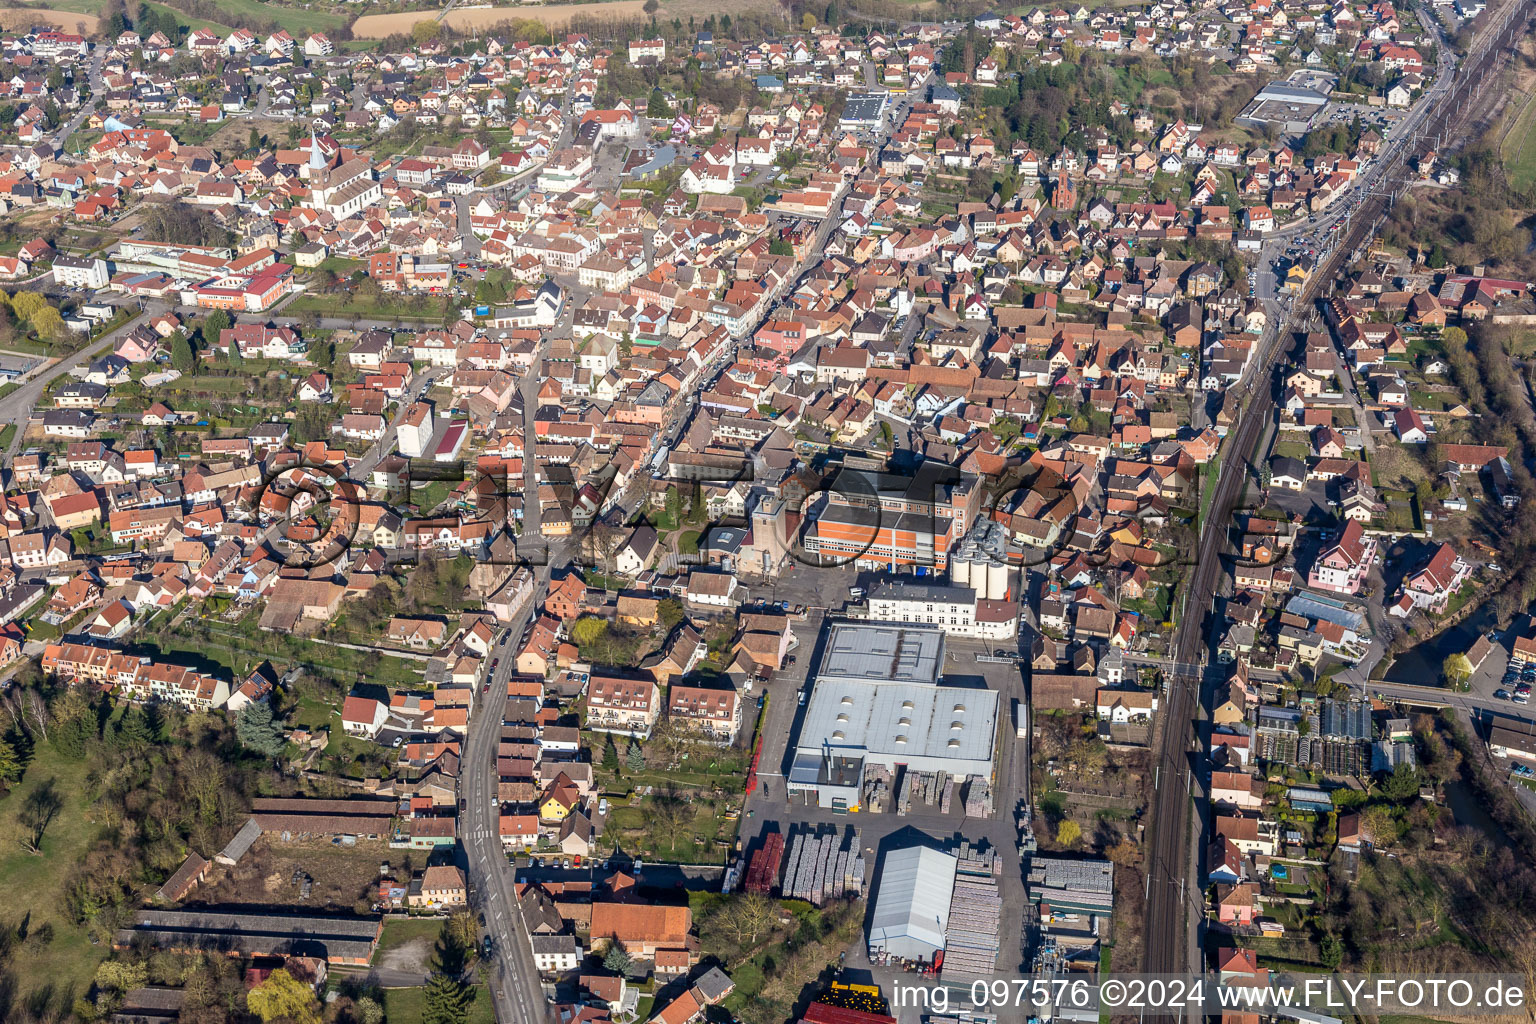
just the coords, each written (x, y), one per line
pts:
(977, 602)
(958, 611)
(877, 700)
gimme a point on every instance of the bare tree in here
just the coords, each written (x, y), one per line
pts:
(759, 912)
(36, 711)
(37, 813)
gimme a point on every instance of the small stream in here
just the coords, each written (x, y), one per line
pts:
(1420, 664)
(1464, 805)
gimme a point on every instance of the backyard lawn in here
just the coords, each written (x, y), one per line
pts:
(384, 307)
(397, 933)
(408, 1006)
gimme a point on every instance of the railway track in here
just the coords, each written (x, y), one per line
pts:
(1174, 901)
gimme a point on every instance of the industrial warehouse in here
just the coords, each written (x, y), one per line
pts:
(877, 706)
(941, 909)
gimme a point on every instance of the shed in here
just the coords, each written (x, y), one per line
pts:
(237, 847)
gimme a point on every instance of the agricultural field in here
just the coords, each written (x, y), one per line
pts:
(70, 21)
(380, 26)
(300, 20)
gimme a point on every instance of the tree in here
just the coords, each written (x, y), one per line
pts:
(214, 325)
(366, 1010)
(616, 960)
(121, 975)
(257, 731)
(757, 913)
(671, 821)
(658, 107)
(1069, 832)
(26, 305)
(74, 724)
(588, 630)
(133, 733)
(634, 757)
(610, 754)
(49, 325)
(808, 21)
(181, 352)
(1402, 784)
(669, 612)
(1331, 951)
(37, 813)
(10, 764)
(1457, 669)
(447, 1000)
(284, 997)
(651, 7)
(424, 31)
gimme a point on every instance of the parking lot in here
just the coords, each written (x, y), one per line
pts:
(1380, 118)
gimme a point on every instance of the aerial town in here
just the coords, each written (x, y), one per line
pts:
(764, 512)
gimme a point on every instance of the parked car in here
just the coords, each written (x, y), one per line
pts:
(1501, 694)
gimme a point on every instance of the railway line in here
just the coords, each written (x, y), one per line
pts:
(1174, 905)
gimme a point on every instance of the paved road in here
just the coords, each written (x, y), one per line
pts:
(98, 86)
(514, 978)
(363, 468)
(17, 406)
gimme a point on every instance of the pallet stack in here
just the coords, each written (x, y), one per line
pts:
(973, 936)
(824, 866)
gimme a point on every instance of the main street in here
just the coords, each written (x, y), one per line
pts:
(515, 985)
(1171, 944)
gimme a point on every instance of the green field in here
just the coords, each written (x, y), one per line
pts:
(1518, 150)
(298, 20)
(32, 886)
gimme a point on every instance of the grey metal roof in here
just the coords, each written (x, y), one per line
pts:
(336, 938)
(885, 653)
(907, 590)
(1086, 885)
(901, 722)
(1290, 93)
(237, 847)
(912, 907)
